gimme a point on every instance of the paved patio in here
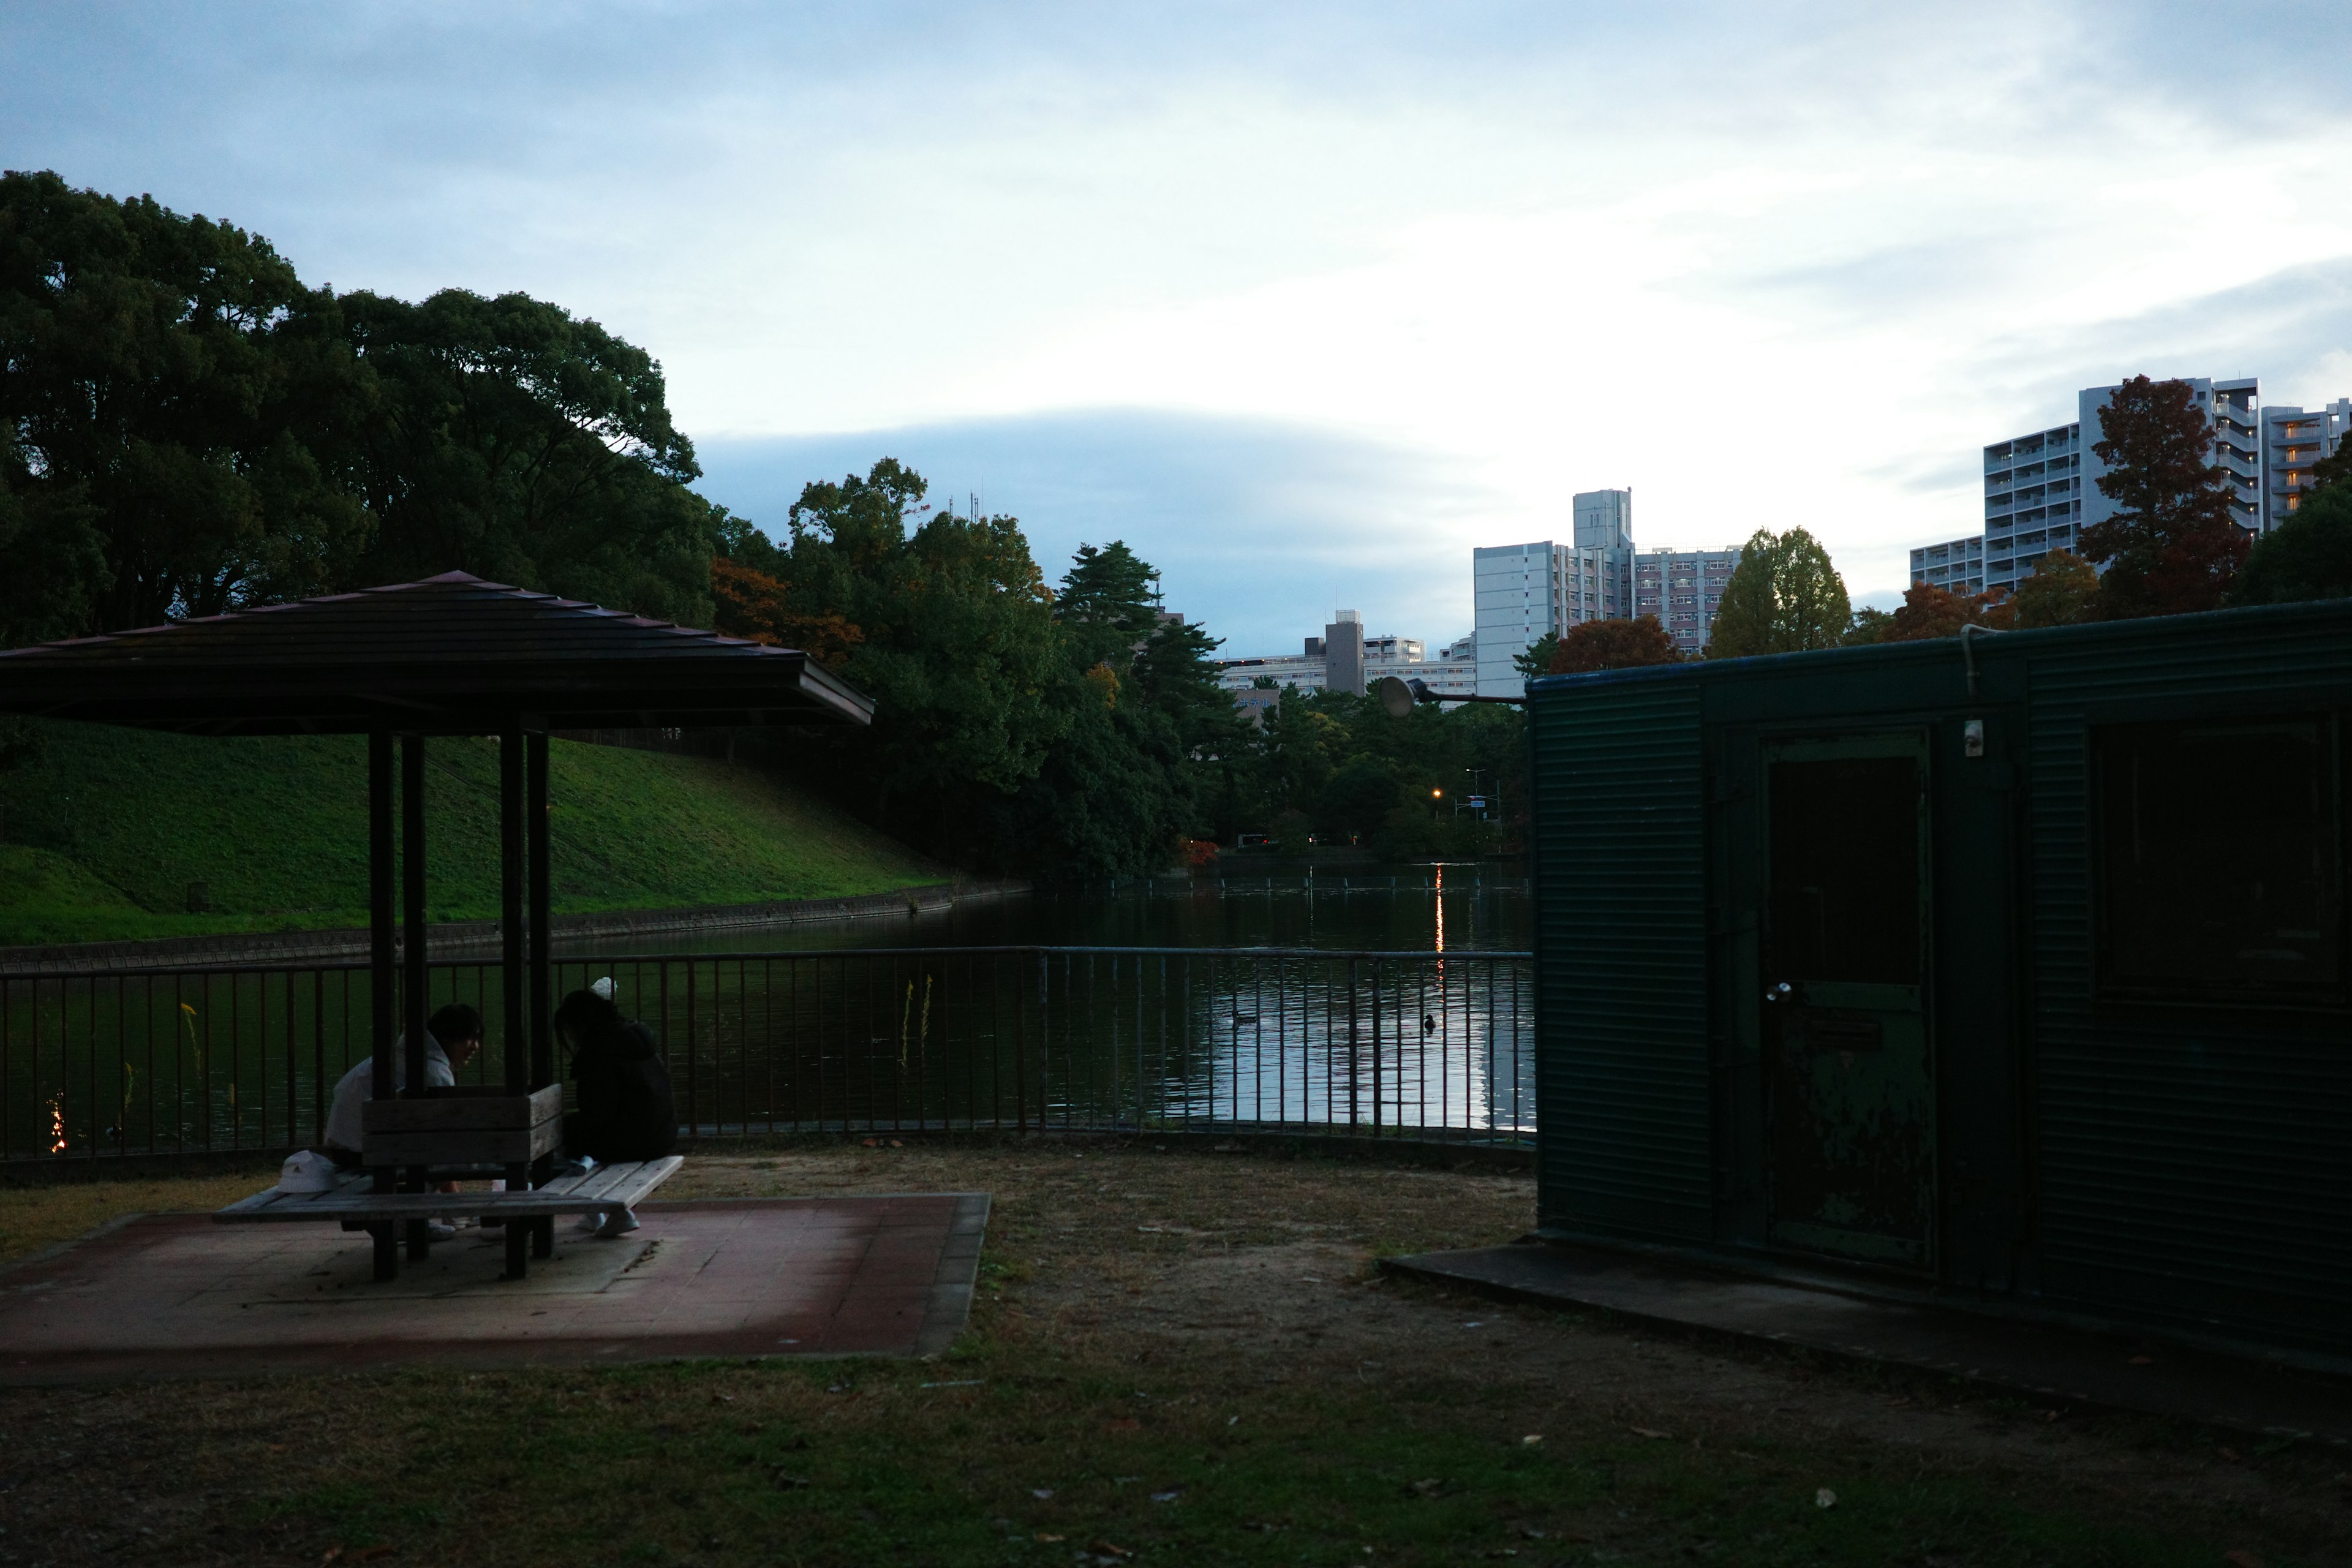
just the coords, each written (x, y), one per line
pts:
(179, 1295)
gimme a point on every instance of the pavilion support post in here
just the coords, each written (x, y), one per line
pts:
(514, 1033)
(512, 875)
(541, 959)
(383, 976)
(543, 979)
(415, 996)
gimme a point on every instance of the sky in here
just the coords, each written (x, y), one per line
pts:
(1302, 301)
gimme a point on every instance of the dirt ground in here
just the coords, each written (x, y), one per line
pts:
(1266, 1270)
(1226, 1283)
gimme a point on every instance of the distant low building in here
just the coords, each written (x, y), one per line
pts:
(1362, 663)
(1683, 588)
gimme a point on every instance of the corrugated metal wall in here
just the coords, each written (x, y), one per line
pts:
(2193, 1163)
(1621, 959)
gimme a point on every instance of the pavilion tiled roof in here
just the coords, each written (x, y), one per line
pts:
(451, 654)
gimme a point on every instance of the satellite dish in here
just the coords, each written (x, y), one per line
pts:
(1396, 697)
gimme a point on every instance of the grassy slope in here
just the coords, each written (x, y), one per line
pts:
(106, 831)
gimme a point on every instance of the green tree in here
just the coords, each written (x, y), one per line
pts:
(1613, 645)
(1784, 597)
(2333, 469)
(174, 394)
(518, 442)
(2063, 590)
(954, 639)
(2173, 541)
(1537, 660)
(1870, 625)
(2307, 556)
(52, 555)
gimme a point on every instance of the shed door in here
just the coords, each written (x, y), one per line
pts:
(1852, 1109)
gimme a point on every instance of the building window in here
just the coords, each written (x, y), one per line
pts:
(2218, 861)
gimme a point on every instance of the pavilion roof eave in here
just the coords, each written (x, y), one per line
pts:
(452, 655)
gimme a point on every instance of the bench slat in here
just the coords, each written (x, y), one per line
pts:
(621, 1186)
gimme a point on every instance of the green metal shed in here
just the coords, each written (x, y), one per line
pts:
(2012, 967)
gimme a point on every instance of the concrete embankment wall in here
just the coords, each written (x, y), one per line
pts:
(468, 939)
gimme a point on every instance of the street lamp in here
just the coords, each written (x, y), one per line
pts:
(1397, 697)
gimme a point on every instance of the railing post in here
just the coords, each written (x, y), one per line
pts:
(1355, 1111)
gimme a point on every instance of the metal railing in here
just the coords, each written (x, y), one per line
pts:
(1418, 1045)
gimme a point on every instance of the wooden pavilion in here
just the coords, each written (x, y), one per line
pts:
(451, 655)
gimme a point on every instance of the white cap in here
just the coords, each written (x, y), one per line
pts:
(604, 988)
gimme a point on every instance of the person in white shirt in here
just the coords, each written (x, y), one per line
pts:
(452, 1035)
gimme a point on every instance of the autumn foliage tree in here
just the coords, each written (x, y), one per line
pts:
(1928, 611)
(1613, 645)
(2173, 542)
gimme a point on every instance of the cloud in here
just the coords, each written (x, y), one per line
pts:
(1259, 528)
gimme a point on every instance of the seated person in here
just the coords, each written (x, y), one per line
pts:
(625, 1110)
(452, 1037)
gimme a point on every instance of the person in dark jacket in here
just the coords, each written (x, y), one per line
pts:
(625, 1111)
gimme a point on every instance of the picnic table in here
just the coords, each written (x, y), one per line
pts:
(529, 1215)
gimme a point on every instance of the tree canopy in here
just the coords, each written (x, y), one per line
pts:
(2173, 542)
(515, 441)
(2307, 556)
(2063, 590)
(186, 428)
(1784, 597)
(1613, 645)
(177, 408)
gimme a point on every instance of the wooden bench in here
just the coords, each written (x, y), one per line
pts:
(358, 1206)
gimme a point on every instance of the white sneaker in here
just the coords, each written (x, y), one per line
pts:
(440, 1231)
(592, 1222)
(620, 1222)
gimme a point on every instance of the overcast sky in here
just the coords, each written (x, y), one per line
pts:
(1301, 302)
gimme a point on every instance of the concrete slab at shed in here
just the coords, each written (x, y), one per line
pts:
(2051, 1364)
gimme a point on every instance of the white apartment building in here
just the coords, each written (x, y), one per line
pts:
(1955, 565)
(1523, 592)
(1683, 588)
(2033, 502)
(2292, 441)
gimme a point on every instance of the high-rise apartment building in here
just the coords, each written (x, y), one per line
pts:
(2041, 489)
(1956, 565)
(2033, 502)
(2292, 441)
(1683, 588)
(1525, 592)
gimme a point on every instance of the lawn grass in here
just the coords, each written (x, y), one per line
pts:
(1191, 1357)
(108, 828)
